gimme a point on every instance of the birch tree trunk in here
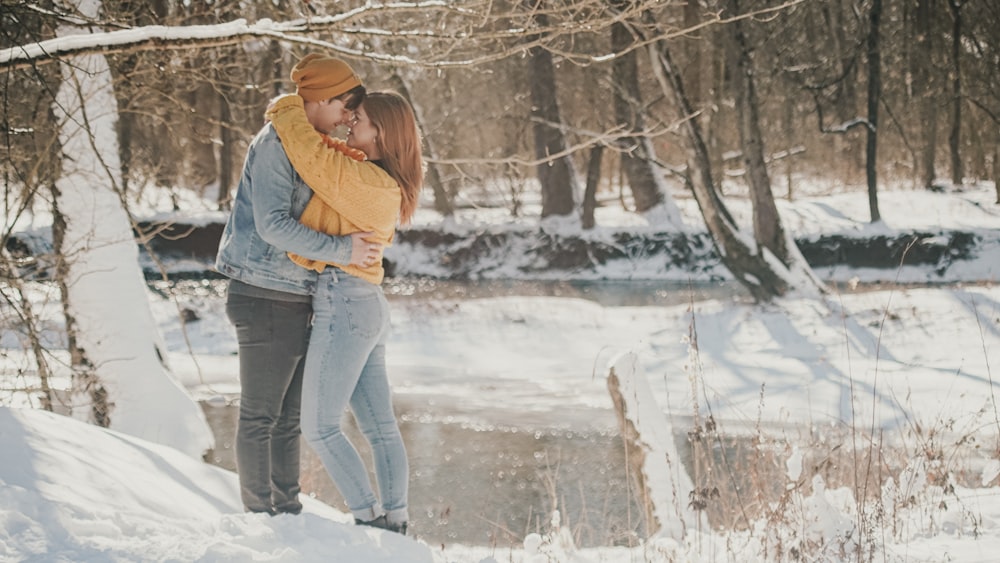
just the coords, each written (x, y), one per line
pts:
(121, 379)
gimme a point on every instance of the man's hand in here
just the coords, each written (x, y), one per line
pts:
(364, 254)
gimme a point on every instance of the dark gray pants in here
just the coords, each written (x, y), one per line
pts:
(273, 337)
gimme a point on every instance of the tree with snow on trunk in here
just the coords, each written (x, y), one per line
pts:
(120, 376)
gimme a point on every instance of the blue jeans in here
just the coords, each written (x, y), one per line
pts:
(345, 365)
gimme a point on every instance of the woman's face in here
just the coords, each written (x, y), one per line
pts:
(363, 134)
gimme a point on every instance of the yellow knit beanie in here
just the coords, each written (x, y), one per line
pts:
(319, 77)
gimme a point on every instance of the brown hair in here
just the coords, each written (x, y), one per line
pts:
(352, 98)
(398, 143)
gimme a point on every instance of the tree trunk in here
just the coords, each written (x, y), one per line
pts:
(202, 168)
(845, 55)
(443, 203)
(923, 95)
(135, 13)
(749, 266)
(692, 74)
(788, 126)
(874, 92)
(590, 192)
(996, 164)
(638, 157)
(556, 174)
(845, 58)
(228, 73)
(955, 134)
(767, 228)
(126, 122)
(225, 95)
(227, 162)
(637, 163)
(118, 362)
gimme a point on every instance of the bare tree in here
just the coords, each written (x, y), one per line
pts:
(637, 158)
(747, 265)
(874, 95)
(556, 173)
(996, 165)
(98, 270)
(831, 84)
(767, 227)
(753, 264)
(955, 129)
(923, 94)
(496, 44)
(590, 190)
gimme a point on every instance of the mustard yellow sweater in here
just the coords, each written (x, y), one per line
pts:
(350, 194)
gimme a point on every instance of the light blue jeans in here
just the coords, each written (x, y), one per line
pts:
(345, 365)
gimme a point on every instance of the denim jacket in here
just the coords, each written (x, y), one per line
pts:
(263, 225)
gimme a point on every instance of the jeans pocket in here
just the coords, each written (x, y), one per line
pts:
(364, 314)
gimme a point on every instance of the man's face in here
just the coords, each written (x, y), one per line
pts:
(325, 116)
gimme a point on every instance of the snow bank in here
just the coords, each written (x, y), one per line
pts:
(71, 491)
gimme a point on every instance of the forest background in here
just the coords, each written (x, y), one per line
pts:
(572, 101)
(495, 82)
(572, 105)
(651, 101)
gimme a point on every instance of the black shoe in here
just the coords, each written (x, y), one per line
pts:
(290, 508)
(376, 523)
(383, 524)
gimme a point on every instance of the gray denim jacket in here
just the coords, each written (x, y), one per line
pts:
(263, 225)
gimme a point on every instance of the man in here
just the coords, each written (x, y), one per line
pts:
(269, 298)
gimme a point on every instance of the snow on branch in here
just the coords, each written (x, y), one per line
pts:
(181, 37)
(468, 35)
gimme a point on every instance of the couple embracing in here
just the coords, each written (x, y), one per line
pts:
(302, 249)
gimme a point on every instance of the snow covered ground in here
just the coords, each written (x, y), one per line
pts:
(891, 359)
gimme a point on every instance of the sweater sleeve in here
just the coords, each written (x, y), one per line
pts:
(270, 185)
(344, 184)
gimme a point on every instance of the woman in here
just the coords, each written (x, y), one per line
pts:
(364, 184)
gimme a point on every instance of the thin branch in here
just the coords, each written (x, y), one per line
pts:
(166, 38)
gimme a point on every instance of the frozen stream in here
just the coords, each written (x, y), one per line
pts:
(491, 455)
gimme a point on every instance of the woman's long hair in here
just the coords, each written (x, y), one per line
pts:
(398, 142)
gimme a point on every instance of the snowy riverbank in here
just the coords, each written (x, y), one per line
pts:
(915, 366)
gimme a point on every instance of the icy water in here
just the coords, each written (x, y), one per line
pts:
(488, 485)
(475, 482)
(608, 293)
